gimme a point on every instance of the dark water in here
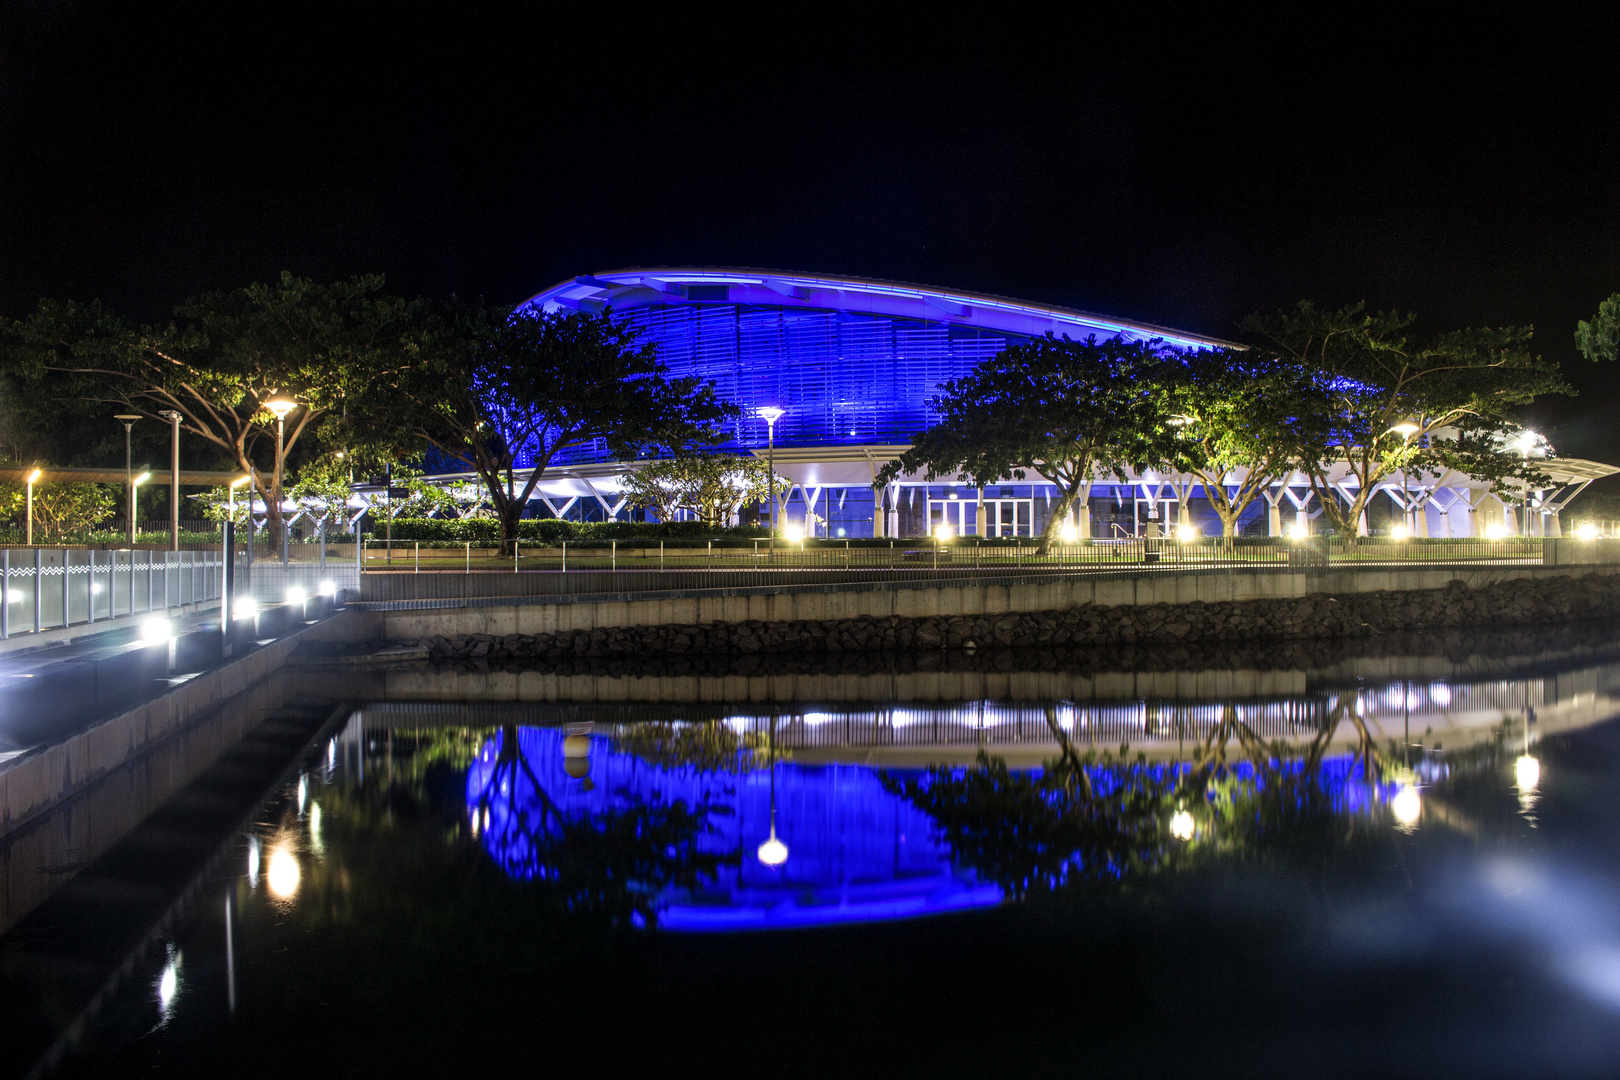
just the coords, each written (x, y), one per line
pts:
(1393, 870)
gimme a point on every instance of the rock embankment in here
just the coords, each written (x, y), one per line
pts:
(1521, 602)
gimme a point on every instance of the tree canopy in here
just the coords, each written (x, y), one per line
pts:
(1241, 420)
(709, 486)
(503, 392)
(1383, 400)
(1062, 409)
(223, 357)
(1599, 339)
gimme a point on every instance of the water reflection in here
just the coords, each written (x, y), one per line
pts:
(722, 816)
(663, 843)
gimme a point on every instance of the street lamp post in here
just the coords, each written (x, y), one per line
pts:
(281, 407)
(1528, 443)
(128, 420)
(28, 538)
(1406, 429)
(173, 417)
(771, 415)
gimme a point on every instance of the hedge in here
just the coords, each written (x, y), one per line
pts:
(553, 530)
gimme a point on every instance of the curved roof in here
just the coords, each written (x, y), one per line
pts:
(633, 288)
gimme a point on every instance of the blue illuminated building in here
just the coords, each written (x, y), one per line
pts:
(852, 362)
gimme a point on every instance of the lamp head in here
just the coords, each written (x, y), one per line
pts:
(1407, 428)
(770, 414)
(33, 477)
(281, 407)
(239, 481)
(128, 418)
(142, 478)
(1528, 442)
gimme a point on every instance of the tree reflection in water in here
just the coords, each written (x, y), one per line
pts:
(1091, 817)
(614, 862)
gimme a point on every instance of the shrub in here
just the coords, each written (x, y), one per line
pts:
(553, 531)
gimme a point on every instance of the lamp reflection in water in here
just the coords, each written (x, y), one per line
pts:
(773, 853)
(1527, 775)
(1181, 825)
(1407, 806)
(1527, 770)
(576, 748)
(168, 985)
(284, 873)
(253, 862)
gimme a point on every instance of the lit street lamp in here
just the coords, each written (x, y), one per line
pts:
(771, 415)
(33, 478)
(129, 485)
(1406, 429)
(231, 495)
(281, 407)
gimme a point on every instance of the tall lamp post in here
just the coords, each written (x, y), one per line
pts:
(128, 420)
(1528, 444)
(1406, 429)
(33, 478)
(281, 407)
(771, 414)
(173, 417)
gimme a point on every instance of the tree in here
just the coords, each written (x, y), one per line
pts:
(1381, 397)
(1599, 339)
(226, 355)
(61, 509)
(504, 392)
(707, 485)
(1239, 424)
(615, 862)
(1062, 409)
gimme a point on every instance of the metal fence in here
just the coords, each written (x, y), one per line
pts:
(446, 573)
(47, 588)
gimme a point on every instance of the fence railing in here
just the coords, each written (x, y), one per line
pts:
(47, 588)
(417, 573)
(924, 554)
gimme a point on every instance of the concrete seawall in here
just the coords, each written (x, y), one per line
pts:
(38, 781)
(500, 616)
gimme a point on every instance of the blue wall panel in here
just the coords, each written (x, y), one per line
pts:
(844, 379)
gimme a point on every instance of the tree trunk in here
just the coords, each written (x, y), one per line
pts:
(509, 517)
(1060, 513)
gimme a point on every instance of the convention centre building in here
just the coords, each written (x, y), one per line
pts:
(852, 363)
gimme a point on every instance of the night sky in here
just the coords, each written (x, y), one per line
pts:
(1152, 166)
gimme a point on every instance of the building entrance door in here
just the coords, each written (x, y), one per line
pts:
(1009, 517)
(957, 513)
(1002, 517)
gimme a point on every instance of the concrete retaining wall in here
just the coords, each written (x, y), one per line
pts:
(36, 782)
(831, 603)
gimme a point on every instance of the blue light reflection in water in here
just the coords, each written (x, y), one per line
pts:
(857, 853)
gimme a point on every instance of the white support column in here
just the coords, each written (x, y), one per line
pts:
(1274, 525)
